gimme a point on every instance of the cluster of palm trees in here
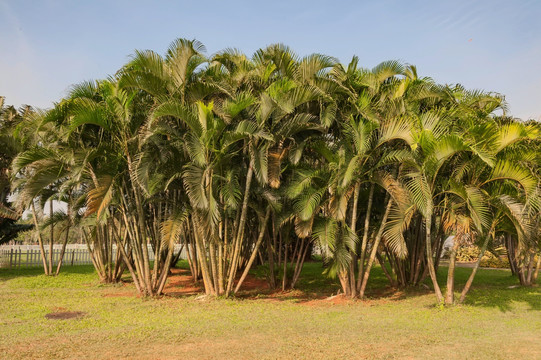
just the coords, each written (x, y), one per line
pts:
(265, 159)
(9, 148)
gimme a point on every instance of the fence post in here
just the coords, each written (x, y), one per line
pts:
(20, 253)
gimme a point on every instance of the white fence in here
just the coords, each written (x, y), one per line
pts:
(15, 256)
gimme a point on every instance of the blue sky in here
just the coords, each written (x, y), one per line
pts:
(45, 46)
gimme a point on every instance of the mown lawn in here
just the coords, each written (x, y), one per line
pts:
(498, 322)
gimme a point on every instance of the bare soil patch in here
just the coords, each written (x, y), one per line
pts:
(340, 299)
(64, 315)
(122, 294)
(181, 283)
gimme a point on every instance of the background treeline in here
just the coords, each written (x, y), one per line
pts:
(260, 159)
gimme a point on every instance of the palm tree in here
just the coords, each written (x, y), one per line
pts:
(9, 120)
(235, 156)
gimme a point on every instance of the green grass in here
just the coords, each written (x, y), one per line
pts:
(497, 322)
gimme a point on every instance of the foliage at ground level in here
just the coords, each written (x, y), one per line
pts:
(499, 320)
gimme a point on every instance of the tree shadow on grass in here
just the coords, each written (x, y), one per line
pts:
(494, 288)
(505, 299)
(491, 288)
(314, 287)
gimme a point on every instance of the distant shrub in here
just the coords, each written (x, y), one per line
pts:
(495, 262)
(467, 253)
(471, 253)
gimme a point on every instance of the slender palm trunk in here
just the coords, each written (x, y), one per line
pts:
(299, 265)
(120, 246)
(201, 256)
(221, 289)
(353, 227)
(93, 257)
(365, 237)
(474, 271)
(430, 259)
(142, 240)
(450, 294)
(214, 266)
(531, 263)
(388, 275)
(375, 246)
(62, 252)
(284, 277)
(165, 271)
(270, 254)
(40, 240)
(255, 251)
(537, 266)
(51, 248)
(240, 232)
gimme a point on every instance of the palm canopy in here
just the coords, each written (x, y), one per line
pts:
(229, 154)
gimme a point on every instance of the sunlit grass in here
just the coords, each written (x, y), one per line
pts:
(497, 322)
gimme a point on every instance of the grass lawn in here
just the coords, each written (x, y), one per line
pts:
(498, 322)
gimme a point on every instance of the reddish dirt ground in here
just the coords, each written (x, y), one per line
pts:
(181, 283)
(122, 294)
